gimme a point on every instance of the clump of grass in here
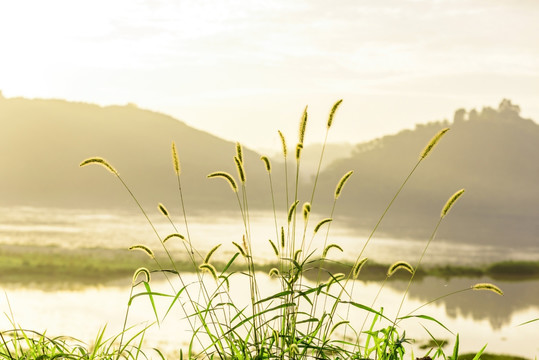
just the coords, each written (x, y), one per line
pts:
(301, 319)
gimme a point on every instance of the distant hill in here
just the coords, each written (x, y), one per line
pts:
(492, 153)
(42, 143)
(311, 156)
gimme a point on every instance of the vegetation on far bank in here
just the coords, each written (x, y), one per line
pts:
(22, 264)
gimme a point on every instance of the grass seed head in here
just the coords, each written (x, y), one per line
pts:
(267, 163)
(433, 142)
(449, 204)
(275, 250)
(227, 177)
(143, 271)
(163, 209)
(399, 265)
(341, 183)
(291, 210)
(302, 126)
(274, 272)
(335, 278)
(306, 210)
(332, 112)
(283, 142)
(240, 168)
(320, 223)
(240, 249)
(239, 152)
(299, 147)
(175, 159)
(357, 267)
(100, 161)
(210, 253)
(209, 268)
(172, 236)
(282, 237)
(488, 287)
(330, 246)
(143, 248)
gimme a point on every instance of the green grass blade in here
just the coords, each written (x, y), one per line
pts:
(426, 317)
(478, 355)
(150, 295)
(456, 349)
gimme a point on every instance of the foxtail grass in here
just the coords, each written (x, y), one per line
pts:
(302, 319)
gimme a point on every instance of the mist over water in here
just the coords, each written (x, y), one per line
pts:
(479, 317)
(104, 229)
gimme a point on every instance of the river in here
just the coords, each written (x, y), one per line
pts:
(479, 317)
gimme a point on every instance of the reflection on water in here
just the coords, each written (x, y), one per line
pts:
(497, 310)
(98, 229)
(479, 317)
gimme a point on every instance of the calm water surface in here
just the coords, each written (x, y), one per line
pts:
(479, 317)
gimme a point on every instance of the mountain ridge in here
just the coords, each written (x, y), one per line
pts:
(492, 153)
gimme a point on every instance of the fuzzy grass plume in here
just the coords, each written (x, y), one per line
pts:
(211, 252)
(332, 113)
(357, 267)
(240, 249)
(209, 268)
(432, 143)
(306, 210)
(488, 287)
(168, 237)
(100, 161)
(175, 159)
(302, 126)
(239, 152)
(283, 142)
(341, 183)
(449, 204)
(299, 147)
(227, 177)
(267, 163)
(240, 168)
(142, 271)
(143, 248)
(274, 247)
(398, 266)
(320, 223)
(292, 210)
(163, 209)
(330, 246)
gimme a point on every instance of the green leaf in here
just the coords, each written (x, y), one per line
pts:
(456, 349)
(426, 317)
(528, 322)
(366, 308)
(274, 296)
(150, 295)
(478, 355)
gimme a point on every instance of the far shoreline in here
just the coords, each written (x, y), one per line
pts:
(51, 266)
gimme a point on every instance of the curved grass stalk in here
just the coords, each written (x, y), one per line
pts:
(434, 140)
(110, 168)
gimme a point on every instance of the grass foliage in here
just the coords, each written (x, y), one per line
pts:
(306, 318)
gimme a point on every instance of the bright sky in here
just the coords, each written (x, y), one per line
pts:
(243, 69)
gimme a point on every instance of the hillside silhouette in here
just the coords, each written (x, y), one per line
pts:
(42, 143)
(492, 153)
